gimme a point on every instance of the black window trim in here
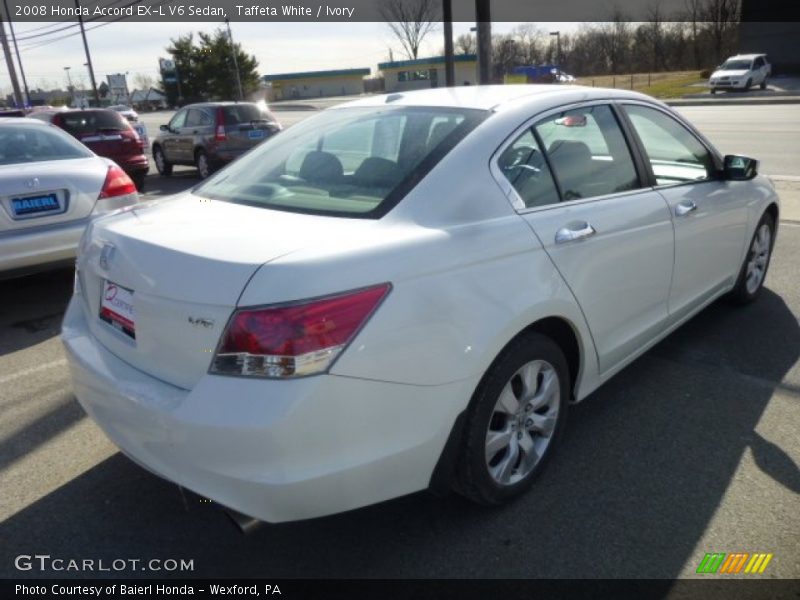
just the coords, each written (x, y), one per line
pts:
(640, 150)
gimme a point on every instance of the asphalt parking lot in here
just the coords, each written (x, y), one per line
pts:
(691, 449)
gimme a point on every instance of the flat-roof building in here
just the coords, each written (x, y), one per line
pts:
(422, 73)
(316, 84)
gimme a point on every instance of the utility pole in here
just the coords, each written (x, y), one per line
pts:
(484, 21)
(88, 56)
(449, 61)
(235, 61)
(16, 50)
(69, 86)
(12, 74)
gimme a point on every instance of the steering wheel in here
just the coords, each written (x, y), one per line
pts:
(516, 161)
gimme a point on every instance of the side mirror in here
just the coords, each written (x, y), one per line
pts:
(740, 168)
(164, 127)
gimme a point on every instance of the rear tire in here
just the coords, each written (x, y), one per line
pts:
(164, 167)
(756, 263)
(515, 420)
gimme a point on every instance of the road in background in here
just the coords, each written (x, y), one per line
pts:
(769, 133)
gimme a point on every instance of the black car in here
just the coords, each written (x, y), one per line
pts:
(210, 134)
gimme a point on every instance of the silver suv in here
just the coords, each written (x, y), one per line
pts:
(211, 134)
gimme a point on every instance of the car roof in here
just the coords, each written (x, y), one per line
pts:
(220, 103)
(746, 56)
(24, 121)
(491, 97)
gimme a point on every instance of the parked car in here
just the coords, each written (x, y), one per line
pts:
(106, 133)
(51, 186)
(133, 118)
(406, 294)
(741, 72)
(211, 134)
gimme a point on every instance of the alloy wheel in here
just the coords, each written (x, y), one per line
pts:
(523, 422)
(759, 258)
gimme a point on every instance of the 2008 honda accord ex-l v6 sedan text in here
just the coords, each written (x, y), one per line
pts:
(406, 292)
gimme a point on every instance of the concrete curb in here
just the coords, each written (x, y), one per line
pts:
(757, 100)
(280, 106)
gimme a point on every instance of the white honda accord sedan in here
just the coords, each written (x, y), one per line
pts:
(406, 292)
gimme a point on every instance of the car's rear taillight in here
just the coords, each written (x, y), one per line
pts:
(132, 134)
(219, 130)
(117, 183)
(294, 340)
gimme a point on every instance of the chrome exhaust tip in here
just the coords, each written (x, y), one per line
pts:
(245, 524)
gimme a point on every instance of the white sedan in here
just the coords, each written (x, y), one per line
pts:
(51, 186)
(406, 292)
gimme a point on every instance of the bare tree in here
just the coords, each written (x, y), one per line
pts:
(615, 40)
(693, 15)
(722, 18)
(466, 44)
(142, 81)
(410, 21)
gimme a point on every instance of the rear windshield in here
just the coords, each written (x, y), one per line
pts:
(23, 143)
(81, 122)
(245, 113)
(344, 162)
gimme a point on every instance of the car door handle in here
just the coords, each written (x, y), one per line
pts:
(569, 234)
(684, 208)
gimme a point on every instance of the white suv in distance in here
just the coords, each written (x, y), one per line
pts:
(741, 72)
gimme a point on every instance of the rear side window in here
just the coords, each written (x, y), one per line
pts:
(675, 154)
(26, 144)
(588, 152)
(236, 114)
(524, 165)
(91, 121)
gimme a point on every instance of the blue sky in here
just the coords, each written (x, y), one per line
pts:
(279, 47)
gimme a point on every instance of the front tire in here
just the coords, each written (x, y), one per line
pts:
(754, 269)
(763, 85)
(516, 418)
(748, 85)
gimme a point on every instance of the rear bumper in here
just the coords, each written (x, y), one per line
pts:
(56, 244)
(138, 164)
(21, 249)
(274, 450)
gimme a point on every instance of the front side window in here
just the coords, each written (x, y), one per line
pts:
(524, 166)
(348, 161)
(588, 152)
(178, 120)
(674, 153)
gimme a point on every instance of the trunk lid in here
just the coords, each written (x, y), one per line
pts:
(74, 184)
(182, 264)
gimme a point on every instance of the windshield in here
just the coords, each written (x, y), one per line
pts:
(736, 65)
(344, 162)
(21, 143)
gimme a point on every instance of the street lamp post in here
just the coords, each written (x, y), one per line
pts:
(71, 89)
(558, 47)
